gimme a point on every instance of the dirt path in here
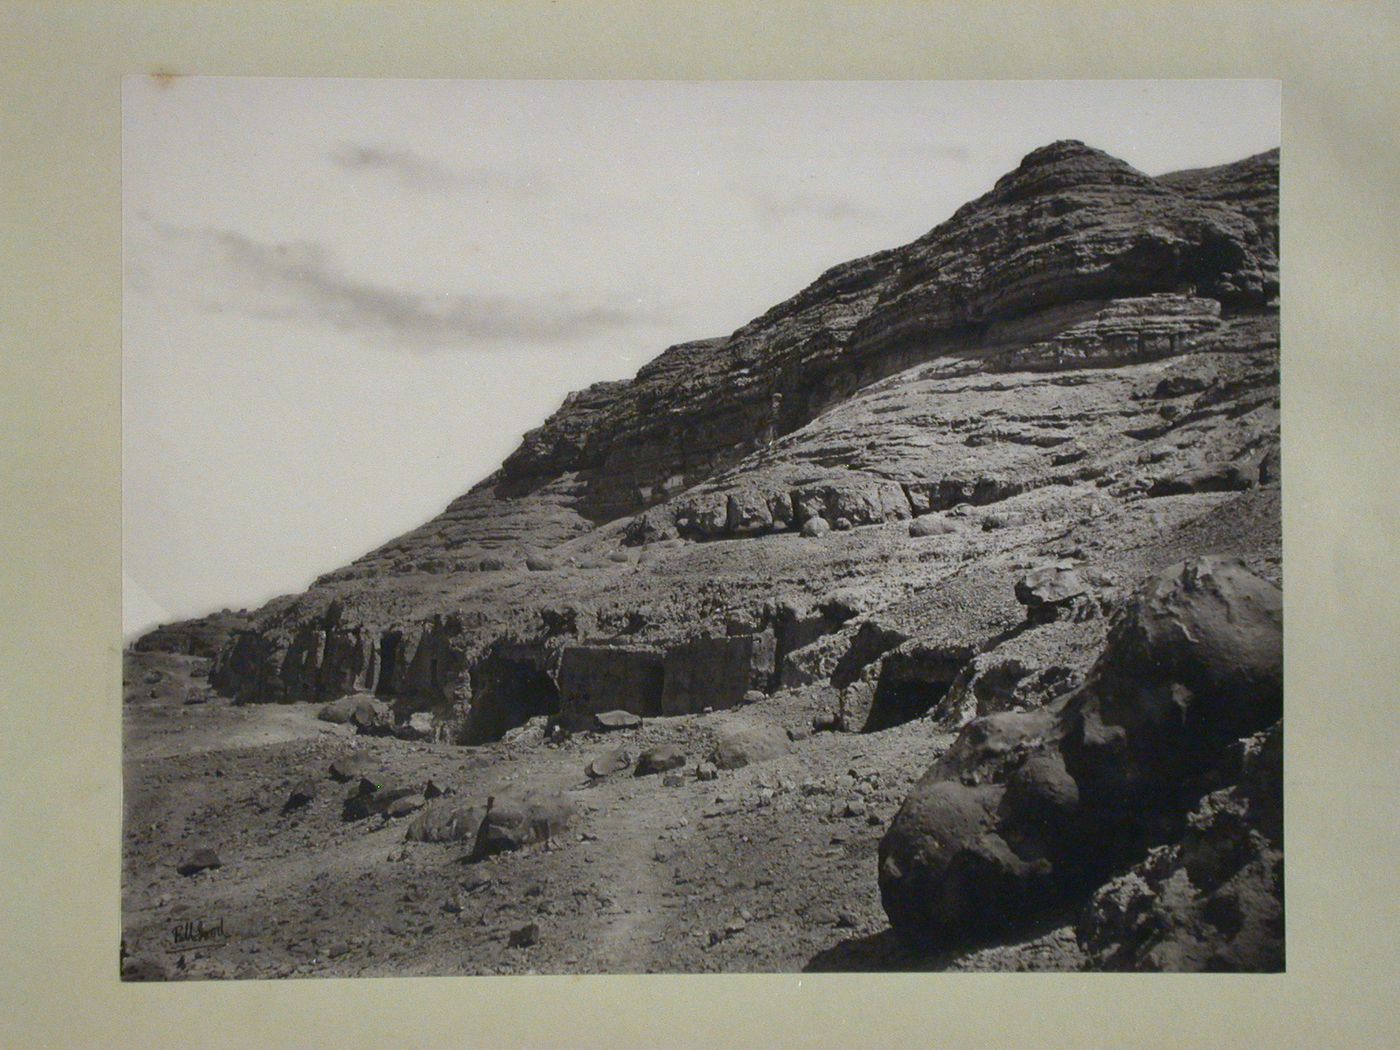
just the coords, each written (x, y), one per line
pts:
(628, 929)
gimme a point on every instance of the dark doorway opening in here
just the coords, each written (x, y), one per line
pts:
(506, 693)
(390, 649)
(900, 702)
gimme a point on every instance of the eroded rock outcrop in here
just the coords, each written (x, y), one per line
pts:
(1029, 808)
(202, 636)
(1074, 259)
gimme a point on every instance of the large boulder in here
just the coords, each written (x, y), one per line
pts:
(202, 859)
(946, 864)
(933, 525)
(740, 746)
(338, 711)
(1029, 808)
(1207, 477)
(447, 818)
(1193, 663)
(513, 821)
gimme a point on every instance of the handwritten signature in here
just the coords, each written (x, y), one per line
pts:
(196, 933)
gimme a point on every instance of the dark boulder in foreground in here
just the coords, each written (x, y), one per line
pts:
(1033, 808)
(1214, 900)
(514, 821)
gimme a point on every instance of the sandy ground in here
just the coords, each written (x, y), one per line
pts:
(767, 868)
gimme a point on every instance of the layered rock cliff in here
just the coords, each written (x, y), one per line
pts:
(1080, 363)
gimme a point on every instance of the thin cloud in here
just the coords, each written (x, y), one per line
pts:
(299, 280)
(432, 176)
(775, 204)
(780, 207)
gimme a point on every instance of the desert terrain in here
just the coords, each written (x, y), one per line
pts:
(930, 621)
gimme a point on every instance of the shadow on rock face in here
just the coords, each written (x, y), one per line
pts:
(888, 952)
(872, 953)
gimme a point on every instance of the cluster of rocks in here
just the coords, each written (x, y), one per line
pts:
(735, 747)
(1027, 810)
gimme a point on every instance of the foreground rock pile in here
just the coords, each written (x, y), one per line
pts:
(1027, 810)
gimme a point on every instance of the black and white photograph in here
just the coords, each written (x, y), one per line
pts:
(680, 527)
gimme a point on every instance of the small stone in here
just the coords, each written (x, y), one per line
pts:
(402, 807)
(855, 808)
(474, 881)
(525, 937)
(607, 763)
(199, 860)
(706, 771)
(350, 767)
(660, 759)
(609, 721)
(300, 796)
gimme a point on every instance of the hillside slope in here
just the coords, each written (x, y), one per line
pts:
(1075, 337)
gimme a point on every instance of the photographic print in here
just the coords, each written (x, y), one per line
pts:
(681, 527)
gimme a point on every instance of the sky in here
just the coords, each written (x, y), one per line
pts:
(346, 300)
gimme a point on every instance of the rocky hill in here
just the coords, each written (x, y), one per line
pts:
(920, 491)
